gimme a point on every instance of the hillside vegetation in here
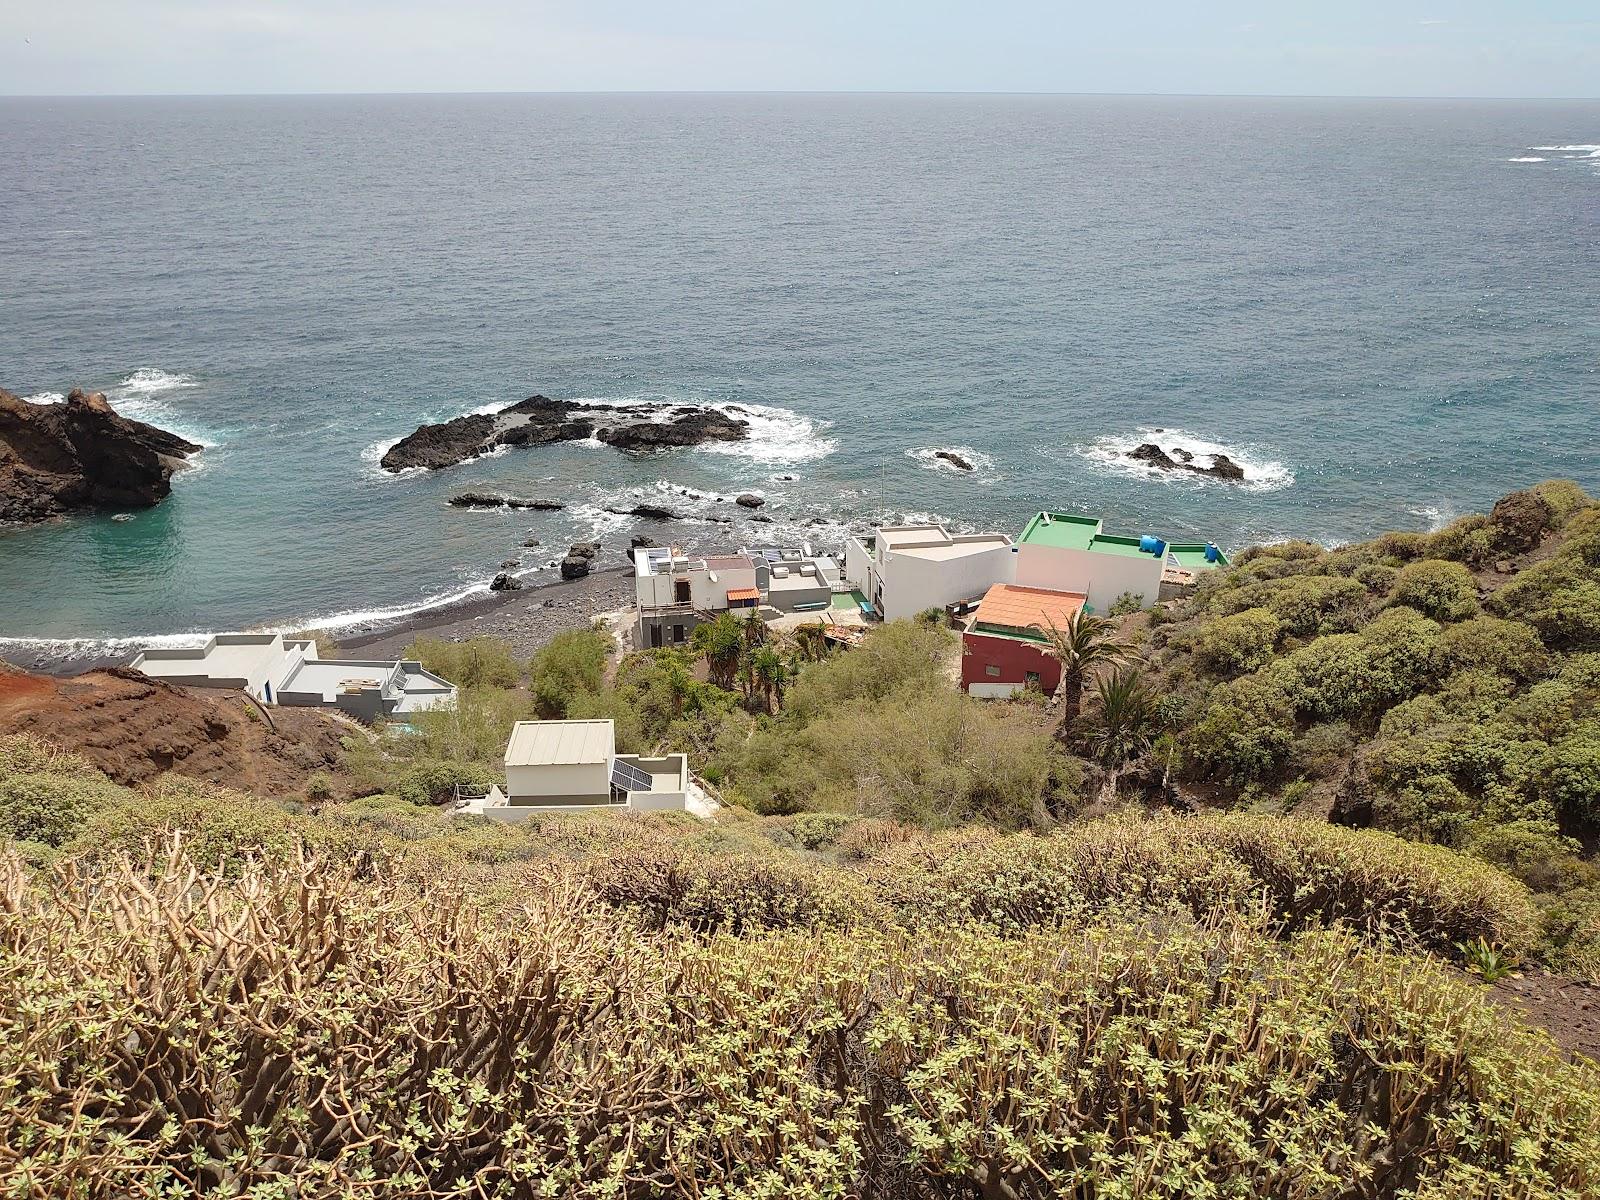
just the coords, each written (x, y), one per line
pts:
(1209, 930)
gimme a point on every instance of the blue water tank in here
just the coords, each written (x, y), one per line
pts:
(1152, 545)
(1212, 553)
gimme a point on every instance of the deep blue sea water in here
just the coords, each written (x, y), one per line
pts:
(1389, 311)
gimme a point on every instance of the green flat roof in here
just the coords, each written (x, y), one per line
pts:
(1060, 530)
(1125, 546)
(1191, 554)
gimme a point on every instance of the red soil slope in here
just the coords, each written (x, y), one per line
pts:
(134, 728)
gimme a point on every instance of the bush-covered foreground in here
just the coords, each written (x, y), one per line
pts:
(358, 1027)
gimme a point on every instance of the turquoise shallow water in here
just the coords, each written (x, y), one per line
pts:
(1388, 310)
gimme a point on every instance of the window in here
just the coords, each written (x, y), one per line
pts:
(677, 633)
(680, 593)
(1032, 678)
(992, 671)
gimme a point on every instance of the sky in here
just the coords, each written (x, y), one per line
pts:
(1520, 48)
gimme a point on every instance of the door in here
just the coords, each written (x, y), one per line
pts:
(655, 637)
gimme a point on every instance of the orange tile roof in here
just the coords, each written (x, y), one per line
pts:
(744, 593)
(1013, 607)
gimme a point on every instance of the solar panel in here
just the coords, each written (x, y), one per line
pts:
(629, 778)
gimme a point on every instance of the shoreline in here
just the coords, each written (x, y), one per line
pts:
(527, 618)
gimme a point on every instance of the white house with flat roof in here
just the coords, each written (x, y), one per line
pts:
(906, 569)
(573, 766)
(675, 592)
(795, 578)
(1065, 552)
(289, 673)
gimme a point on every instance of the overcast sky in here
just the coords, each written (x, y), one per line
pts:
(1329, 47)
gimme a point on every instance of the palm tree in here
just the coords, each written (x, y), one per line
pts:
(769, 673)
(1084, 645)
(720, 642)
(1126, 720)
(809, 643)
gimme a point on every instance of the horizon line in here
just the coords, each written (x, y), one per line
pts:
(257, 95)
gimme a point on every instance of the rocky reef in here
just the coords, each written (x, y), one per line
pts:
(541, 421)
(80, 455)
(1222, 467)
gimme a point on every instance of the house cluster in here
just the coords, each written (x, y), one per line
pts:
(278, 671)
(1009, 593)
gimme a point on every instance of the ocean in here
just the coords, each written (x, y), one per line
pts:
(1388, 311)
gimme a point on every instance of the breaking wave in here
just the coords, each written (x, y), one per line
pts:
(1261, 473)
(145, 395)
(777, 435)
(46, 398)
(1534, 158)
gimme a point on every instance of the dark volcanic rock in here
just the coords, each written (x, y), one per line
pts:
(540, 421)
(763, 518)
(531, 541)
(1518, 521)
(642, 543)
(584, 549)
(954, 459)
(1222, 467)
(79, 454)
(654, 512)
(511, 564)
(748, 500)
(496, 500)
(505, 582)
(1182, 455)
(574, 566)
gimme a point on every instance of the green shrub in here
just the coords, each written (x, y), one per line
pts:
(1508, 647)
(815, 830)
(433, 781)
(1444, 591)
(574, 662)
(217, 827)
(476, 662)
(51, 809)
(1237, 644)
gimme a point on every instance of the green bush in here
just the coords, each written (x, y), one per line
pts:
(51, 809)
(572, 663)
(217, 827)
(1237, 644)
(476, 662)
(1444, 591)
(1508, 647)
(433, 781)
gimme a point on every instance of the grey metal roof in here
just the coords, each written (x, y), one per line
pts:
(564, 743)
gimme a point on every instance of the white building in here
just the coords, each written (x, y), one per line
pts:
(795, 578)
(573, 766)
(289, 673)
(674, 592)
(906, 569)
(1068, 553)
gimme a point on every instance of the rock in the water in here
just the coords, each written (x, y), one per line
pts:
(584, 549)
(763, 518)
(1182, 455)
(79, 454)
(496, 500)
(531, 541)
(505, 582)
(539, 421)
(653, 512)
(574, 566)
(1222, 467)
(511, 564)
(642, 543)
(954, 459)
(748, 500)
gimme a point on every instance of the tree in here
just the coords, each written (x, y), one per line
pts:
(1088, 642)
(720, 642)
(810, 643)
(769, 675)
(1126, 722)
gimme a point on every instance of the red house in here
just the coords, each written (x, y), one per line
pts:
(1005, 650)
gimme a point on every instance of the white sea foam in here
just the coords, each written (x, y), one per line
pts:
(1535, 158)
(150, 381)
(1591, 148)
(45, 398)
(84, 649)
(928, 458)
(594, 522)
(146, 395)
(1437, 516)
(1262, 473)
(777, 435)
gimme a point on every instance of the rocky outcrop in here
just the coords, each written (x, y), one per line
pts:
(79, 454)
(652, 512)
(540, 421)
(1519, 521)
(496, 500)
(954, 459)
(748, 500)
(1222, 467)
(505, 582)
(579, 559)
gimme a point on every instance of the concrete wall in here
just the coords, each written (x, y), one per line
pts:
(1101, 577)
(912, 584)
(545, 784)
(858, 563)
(1012, 657)
(665, 622)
